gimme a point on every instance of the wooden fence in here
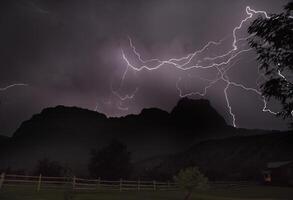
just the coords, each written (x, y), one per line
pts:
(78, 184)
(42, 182)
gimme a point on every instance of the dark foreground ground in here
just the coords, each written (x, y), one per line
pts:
(246, 193)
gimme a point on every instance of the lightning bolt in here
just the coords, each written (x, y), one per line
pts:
(125, 97)
(11, 86)
(217, 62)
(120, 107)
(288, 82)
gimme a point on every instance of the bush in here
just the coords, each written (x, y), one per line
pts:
(190, 179)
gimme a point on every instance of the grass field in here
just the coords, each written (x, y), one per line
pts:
(249, 193)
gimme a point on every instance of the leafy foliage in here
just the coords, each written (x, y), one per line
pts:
(272, 38)
(191, 178)
(111, 162)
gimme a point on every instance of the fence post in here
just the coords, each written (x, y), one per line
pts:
(99, 184)
(154, 185)
(39, 183)
(120, 184)
(138, 185)
(168, 186)
(73, 182)
(2, 179)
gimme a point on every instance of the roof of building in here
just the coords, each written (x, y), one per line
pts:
(278, 164)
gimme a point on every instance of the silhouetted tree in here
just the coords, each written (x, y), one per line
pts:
(190, 179)
(272, 38)
(111, 162)
(9, 170)
(47, 167)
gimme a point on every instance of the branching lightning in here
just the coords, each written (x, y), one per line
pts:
(11, 86)
(221, 63)
(288, 82)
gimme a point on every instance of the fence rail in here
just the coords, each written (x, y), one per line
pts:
(42, 182)
(74, 183)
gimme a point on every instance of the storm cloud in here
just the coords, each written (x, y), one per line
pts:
(69, 53)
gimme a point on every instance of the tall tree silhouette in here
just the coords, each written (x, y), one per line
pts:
(272, 38)
(111, 162)
(47, 167)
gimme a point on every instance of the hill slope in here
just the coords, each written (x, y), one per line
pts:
(233, 158)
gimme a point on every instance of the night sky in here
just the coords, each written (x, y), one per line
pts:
(69, 53)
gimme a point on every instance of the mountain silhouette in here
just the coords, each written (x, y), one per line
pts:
(191, 114)
(67, 134)
(3, 140)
